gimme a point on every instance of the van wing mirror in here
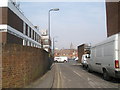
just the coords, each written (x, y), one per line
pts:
(88, 56)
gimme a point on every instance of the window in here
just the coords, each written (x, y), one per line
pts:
(34, 35)
(24, 28)
(46, 42)
(31, 33)
(39, 40)
(28, 31)
(29, 43)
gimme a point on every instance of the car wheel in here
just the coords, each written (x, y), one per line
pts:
(65, 61)
(106, 75)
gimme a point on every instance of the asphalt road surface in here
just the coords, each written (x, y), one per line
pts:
(72, 75)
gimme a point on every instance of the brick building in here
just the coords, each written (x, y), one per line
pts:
(15, 27)
(70, 53)
(113, 17)
(83, 49)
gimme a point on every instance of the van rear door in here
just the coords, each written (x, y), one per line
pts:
(119, 49)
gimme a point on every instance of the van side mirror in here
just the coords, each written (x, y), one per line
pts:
(88, 56)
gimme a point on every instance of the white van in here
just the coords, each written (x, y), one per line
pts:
(84, 60)
(105, 57)
(60, 59)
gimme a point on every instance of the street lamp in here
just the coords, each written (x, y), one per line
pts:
(54, 45)
(55, 9)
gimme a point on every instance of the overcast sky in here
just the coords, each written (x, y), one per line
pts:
(77, 23)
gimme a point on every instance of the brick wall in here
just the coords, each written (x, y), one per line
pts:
(80, 52)
(113, 18)
(22, 65)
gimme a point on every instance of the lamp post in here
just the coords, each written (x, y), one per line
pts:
(55, 9)
(54, 45)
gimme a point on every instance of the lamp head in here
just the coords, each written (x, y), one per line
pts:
(55, 9)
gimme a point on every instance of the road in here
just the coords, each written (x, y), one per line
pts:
(72, 75)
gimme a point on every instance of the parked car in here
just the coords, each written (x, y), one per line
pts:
(105, 58)
(76, 59)
(60, 59)
(84, 60)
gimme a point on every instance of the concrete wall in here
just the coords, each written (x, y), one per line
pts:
(22, 65)
(113, 18)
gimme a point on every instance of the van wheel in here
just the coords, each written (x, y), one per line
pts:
(83, 66)
(105, 75)
(88, 69)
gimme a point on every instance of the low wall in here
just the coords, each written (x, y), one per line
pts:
(22, 65)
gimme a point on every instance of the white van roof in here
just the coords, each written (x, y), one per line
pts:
(109, 39)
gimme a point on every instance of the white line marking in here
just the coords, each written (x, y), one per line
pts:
(88, 79)
(77, 73)
(58, 83)
(92, 84)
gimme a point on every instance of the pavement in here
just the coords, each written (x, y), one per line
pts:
(72, 75)
(46, 81)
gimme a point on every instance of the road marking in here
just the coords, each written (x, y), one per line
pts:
(92, 84)
(61, 78)
(77, 73)
(89, 79)
(58, 83)
(64, 77)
